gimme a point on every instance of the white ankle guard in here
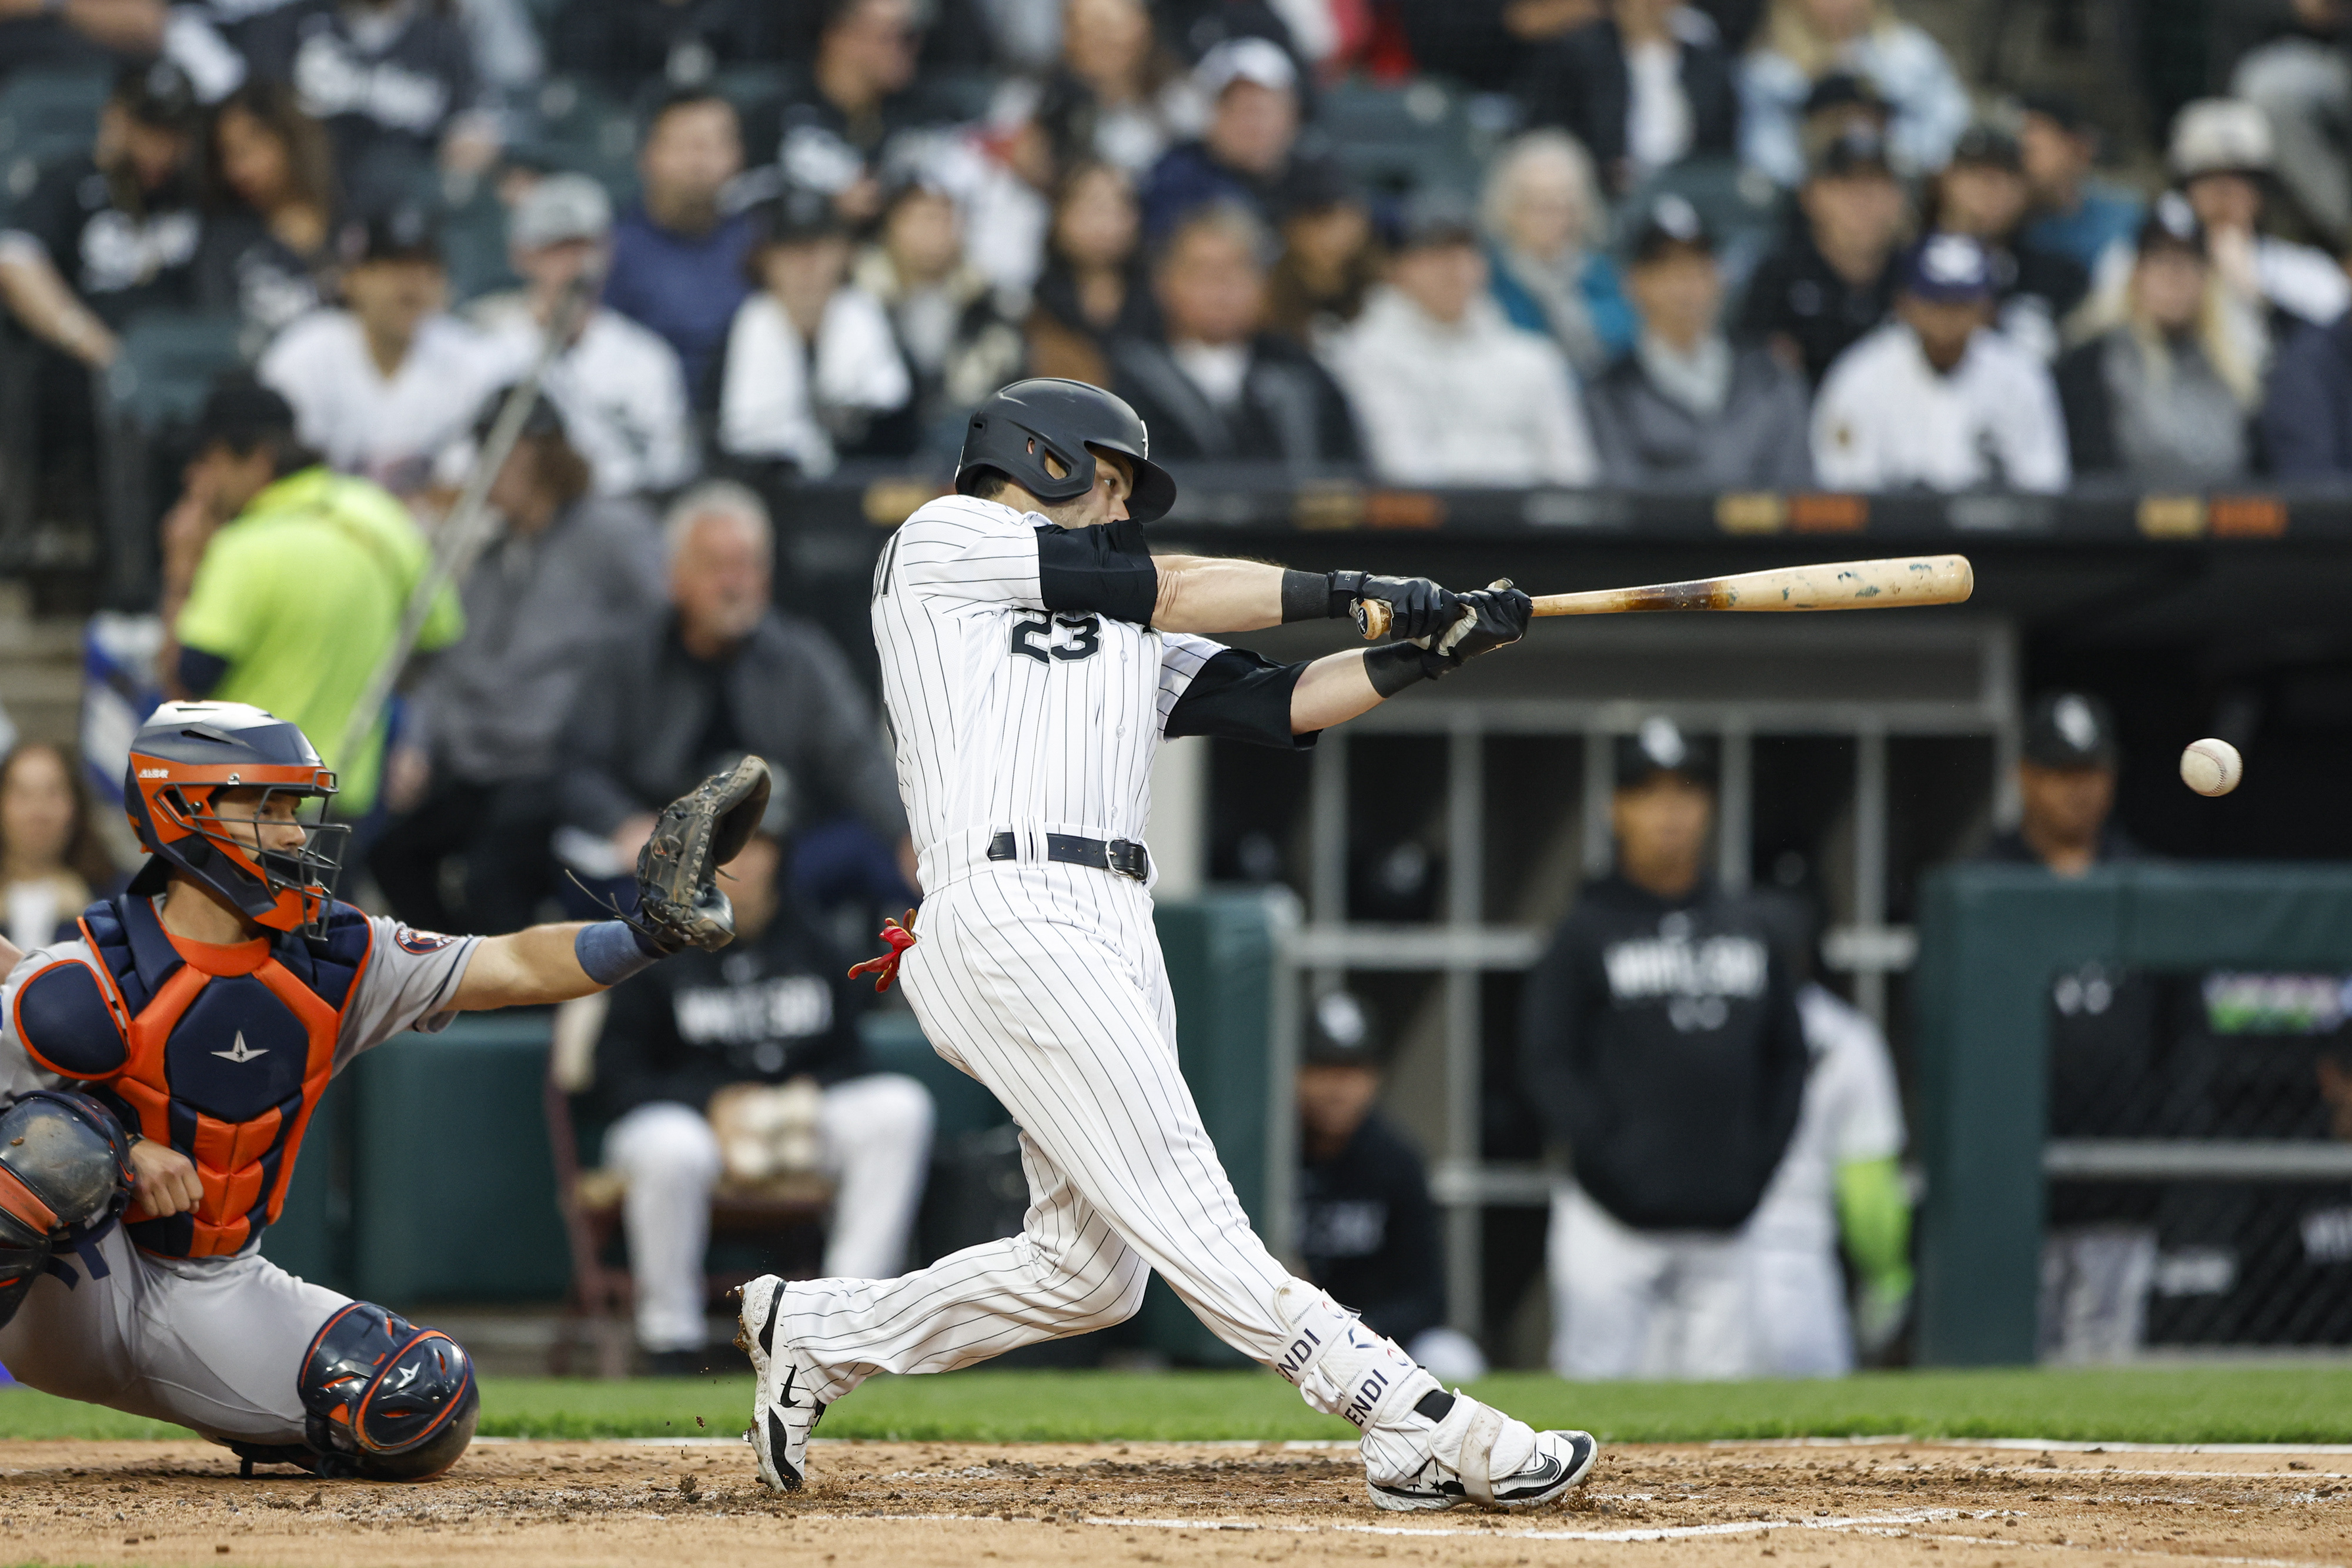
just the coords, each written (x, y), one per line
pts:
(1339, 1366)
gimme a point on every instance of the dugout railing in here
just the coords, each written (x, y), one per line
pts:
(1993, 940)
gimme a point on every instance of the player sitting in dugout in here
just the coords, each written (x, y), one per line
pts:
(748, 1065)
(158, 1070)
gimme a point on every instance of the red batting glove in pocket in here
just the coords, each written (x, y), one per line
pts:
(900, 936)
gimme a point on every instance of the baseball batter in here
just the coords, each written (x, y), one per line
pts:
(157, 1073)
(1034, 655)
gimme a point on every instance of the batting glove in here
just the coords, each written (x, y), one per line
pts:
(1491, 617)
(898, 936)
(1419, 606)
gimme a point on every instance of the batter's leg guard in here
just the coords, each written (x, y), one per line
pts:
(387, 1401)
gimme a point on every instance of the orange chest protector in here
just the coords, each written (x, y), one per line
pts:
(220, 1051)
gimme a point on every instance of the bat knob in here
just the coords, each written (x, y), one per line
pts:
(1372, 618)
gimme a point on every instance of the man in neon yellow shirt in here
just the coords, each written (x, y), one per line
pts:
(301, 590)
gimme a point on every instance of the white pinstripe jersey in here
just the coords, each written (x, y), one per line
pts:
(1003, 715)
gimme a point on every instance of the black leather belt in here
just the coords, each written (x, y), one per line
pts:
(1121, 855)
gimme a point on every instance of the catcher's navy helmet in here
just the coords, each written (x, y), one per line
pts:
(1012, 432)
(181, 759)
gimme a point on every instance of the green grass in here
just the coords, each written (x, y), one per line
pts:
(2171, 1405)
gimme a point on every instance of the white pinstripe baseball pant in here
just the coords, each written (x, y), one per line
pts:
(1045, 982)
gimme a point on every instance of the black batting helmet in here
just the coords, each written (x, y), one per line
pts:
(1011, 432)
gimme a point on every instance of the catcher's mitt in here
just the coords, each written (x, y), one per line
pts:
(678, 901)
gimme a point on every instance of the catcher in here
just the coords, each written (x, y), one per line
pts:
(157, 1071)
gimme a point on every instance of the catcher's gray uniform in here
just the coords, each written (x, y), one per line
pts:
(212, 1344)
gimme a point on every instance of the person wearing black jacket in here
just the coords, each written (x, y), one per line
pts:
(1367, 1227)
(1661, 1045)
(1645, 87)
(1214, 387)
(775, 1008)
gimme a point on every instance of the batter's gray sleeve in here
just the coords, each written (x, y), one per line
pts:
(409, 981)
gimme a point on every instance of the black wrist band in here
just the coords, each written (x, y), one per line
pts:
(1392, 666)
(1342, 589)
(1305, 596)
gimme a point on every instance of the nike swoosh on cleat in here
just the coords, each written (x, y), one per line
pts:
(767, 1329)
(777, 1440)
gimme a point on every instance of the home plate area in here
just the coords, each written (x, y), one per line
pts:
(643, 1504)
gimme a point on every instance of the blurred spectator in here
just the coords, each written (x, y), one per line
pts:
(393, 81)
(271, 183)
(773, 1015)
(52, 862)
(1485, 42)
(1937, 399)
(1805, 40)
(2066, 786)
(1446, 391)
(381, 384)
(861, 95)
(1215, 386)
(1983, 193)
(2306, 420)
(1330, 261)
(1093, 287)
(1642, 88)
(1687, 409)
(1367, 1229)
(1661, 1044)
(1008, 201)
(472, 777)
(1842, 1173)
(1833, 278)
(2302, 81)
(2160, 397)
(303, 587)
(811, 370)
(2223, 157)
(628, 45)
(2090, 221)
(102, 238)
(678, 253)
(78, 35)
(1840, 103)
(953, 326)
(617, 385)
(1119, 94)
(1250, 153)
(1552, 275)
(720, 673)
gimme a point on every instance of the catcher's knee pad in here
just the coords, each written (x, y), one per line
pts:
(65, 1175)
(387, 1400)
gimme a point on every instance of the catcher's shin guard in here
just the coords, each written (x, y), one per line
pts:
(387, 1401)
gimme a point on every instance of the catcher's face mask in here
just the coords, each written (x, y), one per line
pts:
(270, 835)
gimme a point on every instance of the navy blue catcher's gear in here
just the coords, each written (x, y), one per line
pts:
(64, 1176)
(387, 1401)
(1012, 432)
(181, 759)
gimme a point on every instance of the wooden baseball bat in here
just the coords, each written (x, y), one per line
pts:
(1889, 584)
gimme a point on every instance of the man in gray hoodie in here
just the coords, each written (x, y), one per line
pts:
(1688, 410)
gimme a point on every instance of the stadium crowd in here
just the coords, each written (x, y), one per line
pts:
(1715, 247)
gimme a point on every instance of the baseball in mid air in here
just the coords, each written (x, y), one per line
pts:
(2211, 767)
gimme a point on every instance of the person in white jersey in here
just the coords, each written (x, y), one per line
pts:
(1034, 655)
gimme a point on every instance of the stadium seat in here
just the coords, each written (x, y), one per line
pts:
(44, 116)
(1398, 139)
(147, 399)
(581, 128)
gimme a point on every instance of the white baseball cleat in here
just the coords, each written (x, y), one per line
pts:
(1477, 1455)
(784, 1410)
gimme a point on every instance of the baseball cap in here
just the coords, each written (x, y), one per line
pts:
(2221, 136)
(239, 412)
(2171, 221)
(1672, 223)
(559, 208)
(1253, 59)
(1434, 216)
(795, 216)
(1990, 146)
(2062, 110)
(158, 94)
(543, 420)
(1659, 745)
(2071, 729)
(1949, 270)
(399, 234)
(1858, 149)
(1340, 1034)
(1843, 89)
